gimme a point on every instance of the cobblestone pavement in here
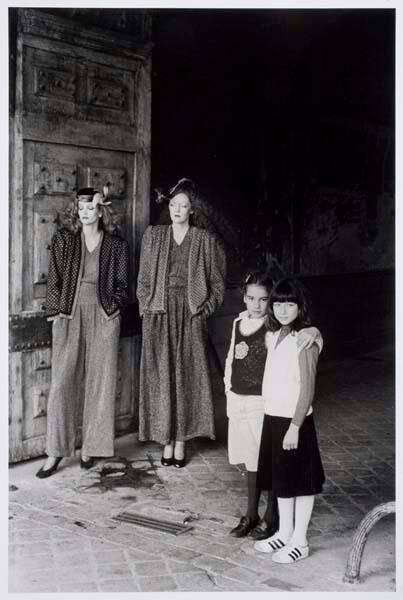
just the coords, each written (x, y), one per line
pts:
(63, 537)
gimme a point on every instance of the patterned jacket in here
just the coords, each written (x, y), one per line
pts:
(65, 270)
(206, 274)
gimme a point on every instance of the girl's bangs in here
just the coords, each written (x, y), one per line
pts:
(286, 291)
(279, 296)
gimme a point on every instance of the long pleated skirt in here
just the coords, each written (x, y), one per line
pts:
(176, 399)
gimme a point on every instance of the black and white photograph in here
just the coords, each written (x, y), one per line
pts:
(201, 298)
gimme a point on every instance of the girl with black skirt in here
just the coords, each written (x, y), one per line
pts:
(244, 369)
(289, 459)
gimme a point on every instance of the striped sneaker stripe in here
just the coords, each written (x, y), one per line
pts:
(295, 553)
(276, 544)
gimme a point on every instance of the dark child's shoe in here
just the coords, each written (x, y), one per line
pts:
(167, 462)
(43, 473)
(179, 462)
(87, 464)
(245, 525)
(262, 531)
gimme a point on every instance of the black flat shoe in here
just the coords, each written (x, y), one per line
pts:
(87, 464)
(167, 462)
(179, 462)
(262, 531)
(245, 525)
(43, 473)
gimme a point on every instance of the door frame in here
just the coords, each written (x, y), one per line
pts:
(32, 28)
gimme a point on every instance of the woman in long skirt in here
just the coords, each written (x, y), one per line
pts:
(181, 282)
(87, 289)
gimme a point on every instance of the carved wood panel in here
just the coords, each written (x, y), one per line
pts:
(115, 179)
(56, 84)
(54, 178)
(110, 94)
(50, 82)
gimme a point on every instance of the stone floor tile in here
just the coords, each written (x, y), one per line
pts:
(31, 548)
(183, 553)
(69, 545)
(250, 559)
(125, 538)
(26, 576)
(179, 566)
(204, 477)
(74, 573)
(34, 535)
(157, 548)
(322, 510)
(133, 555)
(119, 585)
(32, 587)
(211, 485)
(72, 559)
(114, 571)
(222, 550)
(353, 490)
(326, 522)
(18, 524)
(109, 556)
(195, 582)
(232, 585)
(78, 587)
(244, 575)
(198, 469)
(213, 565)
(34, 561)
(157, 584)
(149, 568)
(99, 545)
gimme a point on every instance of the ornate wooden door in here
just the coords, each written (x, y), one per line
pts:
(81, 118)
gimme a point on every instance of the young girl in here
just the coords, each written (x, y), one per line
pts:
(87, 290)
(289, 460)
(243, 378)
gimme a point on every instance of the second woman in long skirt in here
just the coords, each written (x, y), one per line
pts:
(181, 282)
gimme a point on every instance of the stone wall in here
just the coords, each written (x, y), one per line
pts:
(346, 231)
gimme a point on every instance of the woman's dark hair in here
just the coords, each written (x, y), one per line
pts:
(70, 220)
(184, 186)
(199, 217)
(257, 278)
(290, 290)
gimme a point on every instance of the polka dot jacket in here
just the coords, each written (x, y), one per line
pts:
(65, 270)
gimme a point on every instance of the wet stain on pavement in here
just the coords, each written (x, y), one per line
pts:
(12, 488)
(123, 474)
(281, 585)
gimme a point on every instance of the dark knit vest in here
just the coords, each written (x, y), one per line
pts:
(248, 362)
